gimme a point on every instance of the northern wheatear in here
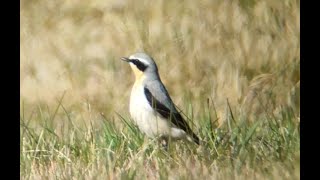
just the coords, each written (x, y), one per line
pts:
(151, 107)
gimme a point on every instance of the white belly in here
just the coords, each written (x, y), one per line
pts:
(145, 117)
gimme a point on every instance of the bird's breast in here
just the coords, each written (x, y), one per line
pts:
(138, 101)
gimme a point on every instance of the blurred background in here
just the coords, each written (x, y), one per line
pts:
(242, 55)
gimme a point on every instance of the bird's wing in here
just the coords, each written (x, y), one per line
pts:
(161, 102)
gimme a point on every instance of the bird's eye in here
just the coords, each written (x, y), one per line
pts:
(134, 61)
(140, 65)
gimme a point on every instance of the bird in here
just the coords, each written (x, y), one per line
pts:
(151, 108)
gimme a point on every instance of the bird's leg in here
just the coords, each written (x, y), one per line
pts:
(164, 142)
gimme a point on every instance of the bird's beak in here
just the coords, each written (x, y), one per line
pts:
(125, 59)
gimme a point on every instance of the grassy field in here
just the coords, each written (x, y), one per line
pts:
(232, 67)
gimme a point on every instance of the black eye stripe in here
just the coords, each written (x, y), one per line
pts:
(139, 64)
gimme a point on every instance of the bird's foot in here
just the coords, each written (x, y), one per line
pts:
(164, 143)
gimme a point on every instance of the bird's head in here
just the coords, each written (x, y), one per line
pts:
(142, 64)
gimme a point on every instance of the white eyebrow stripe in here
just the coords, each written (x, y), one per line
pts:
(144, 61)
(140, 59)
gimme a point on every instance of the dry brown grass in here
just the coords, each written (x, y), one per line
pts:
(217, 50)
(208, 49)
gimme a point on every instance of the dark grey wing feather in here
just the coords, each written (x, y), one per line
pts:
(168, 111)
